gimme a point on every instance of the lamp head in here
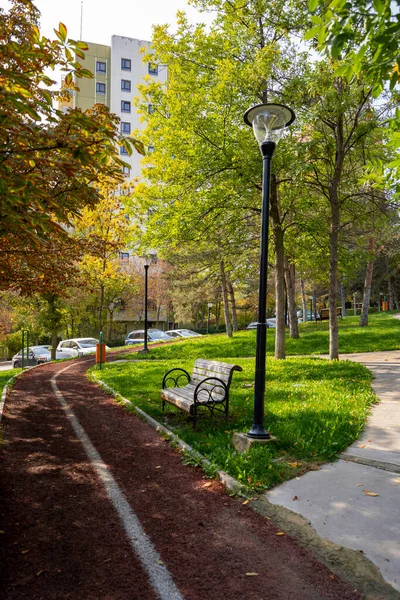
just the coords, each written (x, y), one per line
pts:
(150, 257)
(269, 121)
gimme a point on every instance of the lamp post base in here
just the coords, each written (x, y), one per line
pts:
(258, 432)
(143, 351)
(242, 442)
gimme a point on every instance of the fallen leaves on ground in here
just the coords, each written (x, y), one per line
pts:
(280, 533)
(295, 498)
(252, 574)
(368, 493)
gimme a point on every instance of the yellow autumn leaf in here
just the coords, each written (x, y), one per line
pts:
(359, 484)
(252, 574)
(280, 533)
(368, 493)
(362, 446)
(245, 502)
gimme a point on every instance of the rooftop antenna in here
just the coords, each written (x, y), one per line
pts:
(81, 19)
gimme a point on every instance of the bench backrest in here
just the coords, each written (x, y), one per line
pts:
(213, 368)
(325, 311)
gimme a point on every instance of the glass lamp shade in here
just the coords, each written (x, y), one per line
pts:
(150, 257)
(269, 121)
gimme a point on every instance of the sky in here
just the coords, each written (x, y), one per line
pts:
(104, 18)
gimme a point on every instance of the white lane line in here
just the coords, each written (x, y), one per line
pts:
(158, 574)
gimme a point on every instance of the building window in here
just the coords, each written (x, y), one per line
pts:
(150, 109)
(126, 170)
(125, 106)
(100, 88)
(125, 127)
(153, 69)
(125, 64)
(101, 67)
(124, 256)
(125, 85)
(123, 150)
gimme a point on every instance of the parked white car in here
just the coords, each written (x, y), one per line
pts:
(79, 346)
(182, 333)
(36, 356)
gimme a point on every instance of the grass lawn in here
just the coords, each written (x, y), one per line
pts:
(5, 376)
(314, 407)
(382, 333)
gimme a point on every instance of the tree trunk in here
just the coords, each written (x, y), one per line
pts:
(233, 306)
(279, 273)
(291, 298)
(333, 266)
(367, 288)
(226, 301)
(303, 300)
(342, 299)
(390, 292)
(314, 299)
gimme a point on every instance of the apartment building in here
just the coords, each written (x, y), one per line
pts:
(118, 70)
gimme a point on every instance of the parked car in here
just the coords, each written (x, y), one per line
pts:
(36, 356)
(270, 323)
(153, 335)
(79, 346)
(182, 333)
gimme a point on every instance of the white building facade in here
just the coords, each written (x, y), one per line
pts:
(118, 70)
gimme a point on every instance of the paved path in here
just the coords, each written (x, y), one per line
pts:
(355, 502)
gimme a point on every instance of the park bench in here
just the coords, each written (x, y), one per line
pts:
(208, 386)
(324, 313)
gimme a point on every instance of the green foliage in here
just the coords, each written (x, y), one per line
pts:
(365, 34)
(49, 159)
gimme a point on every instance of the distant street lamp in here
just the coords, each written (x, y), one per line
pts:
(311, 313)
(149, 258)
(209, 314)
(380, 303)
(268, 122)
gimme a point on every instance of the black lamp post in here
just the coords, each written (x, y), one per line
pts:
(149, 258)
(209, 315)
(268, 122)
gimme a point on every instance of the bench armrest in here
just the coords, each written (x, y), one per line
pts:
(208, 390)
(168, 378)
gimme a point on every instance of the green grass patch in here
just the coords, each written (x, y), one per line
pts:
(382, 333)
(5, 376)
(314, 407)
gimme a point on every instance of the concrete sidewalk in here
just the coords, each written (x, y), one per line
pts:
(355, 502)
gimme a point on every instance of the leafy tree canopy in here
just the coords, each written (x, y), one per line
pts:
(48, 159)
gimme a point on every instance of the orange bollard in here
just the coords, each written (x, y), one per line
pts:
(103, 353)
